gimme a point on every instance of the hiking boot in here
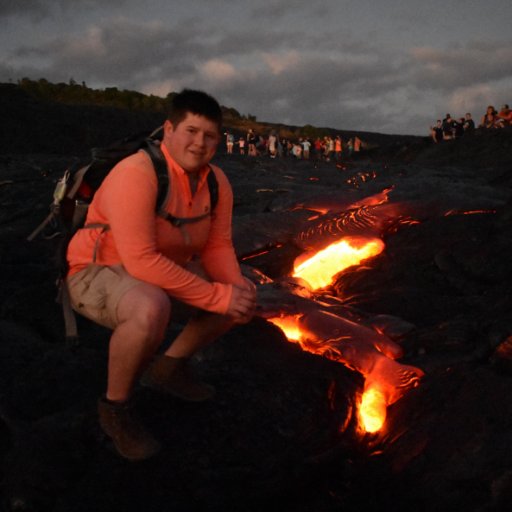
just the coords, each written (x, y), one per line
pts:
(119, 422)
(172, 375)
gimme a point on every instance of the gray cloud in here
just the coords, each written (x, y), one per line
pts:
(277, 9)
(27, 8)
(476, 62)
(281, 71)
(35, 9)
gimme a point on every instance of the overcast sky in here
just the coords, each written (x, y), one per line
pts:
(391, 66)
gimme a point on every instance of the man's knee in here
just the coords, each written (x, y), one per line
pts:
(147, 306)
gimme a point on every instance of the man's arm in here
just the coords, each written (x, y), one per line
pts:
(218, 256)
(130, 208)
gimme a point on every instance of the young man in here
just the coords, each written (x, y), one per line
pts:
(436, 132)
(141, 260)
(447, 125)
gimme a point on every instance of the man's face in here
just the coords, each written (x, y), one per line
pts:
(193, 142)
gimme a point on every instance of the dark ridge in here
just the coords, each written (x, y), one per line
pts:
(30, 125)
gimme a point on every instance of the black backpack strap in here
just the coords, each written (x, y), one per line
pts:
(213, 186)
(181, 221)
(70, 324)
(160, 166)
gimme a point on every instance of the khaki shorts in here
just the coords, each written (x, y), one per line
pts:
(96, 290)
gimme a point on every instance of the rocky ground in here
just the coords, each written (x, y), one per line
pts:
(281, 432)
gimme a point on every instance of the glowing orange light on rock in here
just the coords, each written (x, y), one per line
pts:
(468, 212)
(320, 268)
(289, 325)
(372, 410)
(338, 339)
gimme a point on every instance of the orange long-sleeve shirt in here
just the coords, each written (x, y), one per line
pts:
(149, 247)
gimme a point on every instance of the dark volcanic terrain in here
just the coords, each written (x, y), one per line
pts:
(281, 433)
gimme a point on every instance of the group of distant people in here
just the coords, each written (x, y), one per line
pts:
(494, 119)
(321, 148)
(450, 128)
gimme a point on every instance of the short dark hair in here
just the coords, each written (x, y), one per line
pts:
(195, 102)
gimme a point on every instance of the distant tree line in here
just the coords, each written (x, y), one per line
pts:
(73, 93)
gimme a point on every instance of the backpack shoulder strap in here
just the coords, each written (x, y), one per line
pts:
(162, 175)
(213, 187)
(164, 186)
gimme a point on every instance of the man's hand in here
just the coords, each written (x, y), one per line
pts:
(243, 302)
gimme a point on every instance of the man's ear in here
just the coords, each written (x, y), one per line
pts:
(168, 127)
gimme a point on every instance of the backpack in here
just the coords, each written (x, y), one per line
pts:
(75, 190)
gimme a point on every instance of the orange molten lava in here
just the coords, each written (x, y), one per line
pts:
(372, 410)
(319, 269)
(351, 346)
(290, 326)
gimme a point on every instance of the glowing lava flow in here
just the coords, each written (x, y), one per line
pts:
(320, 268)
(372, 410)
(372, 407)
(290, 326)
